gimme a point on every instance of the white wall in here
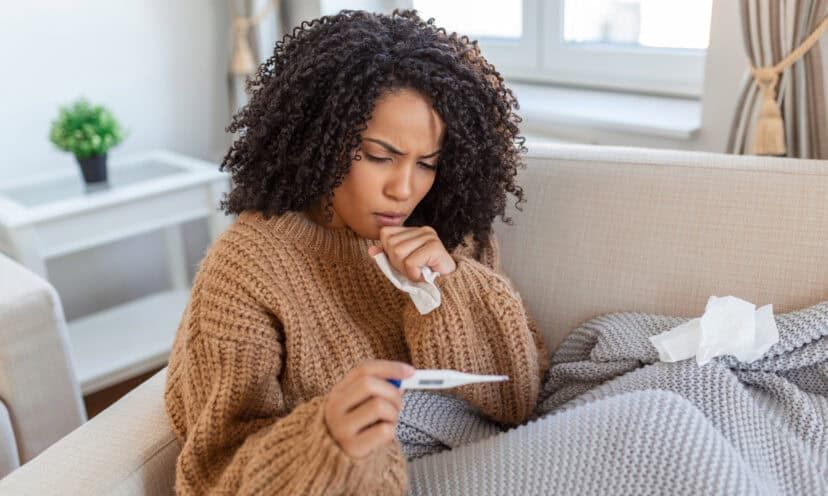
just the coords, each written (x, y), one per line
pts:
(159, 65)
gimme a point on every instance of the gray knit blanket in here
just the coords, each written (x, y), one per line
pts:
(612, 419)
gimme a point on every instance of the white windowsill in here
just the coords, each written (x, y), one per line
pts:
(546, 109)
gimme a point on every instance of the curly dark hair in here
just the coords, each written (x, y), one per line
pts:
(312, 98)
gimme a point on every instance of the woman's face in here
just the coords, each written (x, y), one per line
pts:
(399, 152)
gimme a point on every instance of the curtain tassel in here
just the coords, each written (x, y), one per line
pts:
(770, 128)
(242, 63)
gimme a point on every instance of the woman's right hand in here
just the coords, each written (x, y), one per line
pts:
(361, 411)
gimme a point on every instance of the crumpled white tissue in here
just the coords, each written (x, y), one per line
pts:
(424, 294)
(729, 326)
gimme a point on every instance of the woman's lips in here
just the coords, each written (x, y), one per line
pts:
(389, 220)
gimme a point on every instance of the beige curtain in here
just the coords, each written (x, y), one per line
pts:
(261, 38)
(771, 29)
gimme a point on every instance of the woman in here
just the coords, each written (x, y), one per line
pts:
(363, 133)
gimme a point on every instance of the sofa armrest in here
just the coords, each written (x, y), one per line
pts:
(37, 375)
(128, 449)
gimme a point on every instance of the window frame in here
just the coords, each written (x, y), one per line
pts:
(541, 56)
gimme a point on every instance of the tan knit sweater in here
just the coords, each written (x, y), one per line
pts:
(280, 310)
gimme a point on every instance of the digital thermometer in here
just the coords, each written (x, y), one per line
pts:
(443, 379)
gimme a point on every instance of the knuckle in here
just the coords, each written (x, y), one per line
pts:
(387, 410)
(376, 406)
(411, 268)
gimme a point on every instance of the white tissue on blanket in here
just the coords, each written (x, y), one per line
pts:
(424, 294)
(729, 326)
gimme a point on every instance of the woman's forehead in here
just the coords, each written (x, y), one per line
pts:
(406, 120)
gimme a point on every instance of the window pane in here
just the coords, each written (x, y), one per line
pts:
(330, 7)
(648, 23)
(476, 18)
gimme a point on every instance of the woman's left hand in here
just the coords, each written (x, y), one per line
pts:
(410, 248)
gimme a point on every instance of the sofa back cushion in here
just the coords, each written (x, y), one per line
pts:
(609, 229)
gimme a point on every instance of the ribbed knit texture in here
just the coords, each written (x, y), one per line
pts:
(613, 419)
(280, 310)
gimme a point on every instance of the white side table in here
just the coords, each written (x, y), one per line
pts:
(54, 214)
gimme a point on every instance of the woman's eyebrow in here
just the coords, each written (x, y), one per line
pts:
(394, 150)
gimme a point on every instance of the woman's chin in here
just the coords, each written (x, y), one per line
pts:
(367, 232)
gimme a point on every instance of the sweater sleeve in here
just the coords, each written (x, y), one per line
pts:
(482, 326)
(225, 403)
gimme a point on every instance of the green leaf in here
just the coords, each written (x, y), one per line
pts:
(85, 130)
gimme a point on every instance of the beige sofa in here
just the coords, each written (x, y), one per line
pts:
(604, 229)
(40, 401)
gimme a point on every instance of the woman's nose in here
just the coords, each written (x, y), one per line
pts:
(399, 185)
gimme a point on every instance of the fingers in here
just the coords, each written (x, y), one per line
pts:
(373, 437)
(431, 254)
(409, 255)
(374, 374)
(361, 411)
(388, 369)
(391, 235)
(388, 231)
(401, 243)
(372, 411)
(398, 237)
(367, 387)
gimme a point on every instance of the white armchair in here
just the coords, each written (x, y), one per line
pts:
(128, 448)
(604, 229)
(40, 401)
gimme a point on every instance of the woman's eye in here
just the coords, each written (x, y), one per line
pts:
(388, 159)
(377, 159)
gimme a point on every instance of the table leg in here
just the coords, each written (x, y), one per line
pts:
(176, 257)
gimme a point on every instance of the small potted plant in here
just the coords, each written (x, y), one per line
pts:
(88, 131)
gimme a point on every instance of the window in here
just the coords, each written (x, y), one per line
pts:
(638, 23)
(491, 19)
(655, 46)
